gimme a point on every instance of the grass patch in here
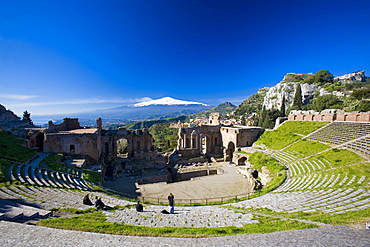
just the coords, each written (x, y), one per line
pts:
(307, 147)
(277, 139)
(288, 133)
(341, 157)
(4, 167)
(91, 176)
(14, 148)
(347, 218)
(96, 222)
(258, 160)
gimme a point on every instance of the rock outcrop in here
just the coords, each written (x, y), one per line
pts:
(288, 86)
(274, 95)
(7, 116)
(348, 78)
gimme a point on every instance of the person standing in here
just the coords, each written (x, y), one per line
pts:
(171, 201)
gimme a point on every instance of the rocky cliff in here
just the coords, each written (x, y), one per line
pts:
(356, 76)
(274, 96)
(288, 86)
(7, 116)
(9, 121)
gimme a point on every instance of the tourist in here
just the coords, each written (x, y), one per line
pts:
(86, 200)
(139, 207)
(98, 203)
(171, 201)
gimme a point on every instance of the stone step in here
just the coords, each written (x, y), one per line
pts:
(31, 172)
(14, 211)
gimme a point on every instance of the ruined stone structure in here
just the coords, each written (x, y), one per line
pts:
(96, 144)
(329, 115)
(215, 140)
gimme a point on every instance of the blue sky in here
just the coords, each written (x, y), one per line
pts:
(71, 56)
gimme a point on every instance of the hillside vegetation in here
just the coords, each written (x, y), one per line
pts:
(330, 94)
(14, 148)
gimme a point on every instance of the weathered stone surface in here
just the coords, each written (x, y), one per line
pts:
(356, 76)
(287, 88)
(274, 95)
(7, 116)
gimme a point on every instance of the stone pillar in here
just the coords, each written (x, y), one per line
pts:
(191, 141)
(184, 141)
(99, 123)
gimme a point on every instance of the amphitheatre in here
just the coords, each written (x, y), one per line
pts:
(312, 189)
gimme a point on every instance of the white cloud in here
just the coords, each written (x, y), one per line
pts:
(17, 96)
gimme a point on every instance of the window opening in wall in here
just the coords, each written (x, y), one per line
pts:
(72, 148)
(122, 148)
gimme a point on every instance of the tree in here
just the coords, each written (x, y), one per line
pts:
(361, 94)
(327, 102)
(363, 106)
(297, 101)
(27, 117)
(282, 109)
(322, 77)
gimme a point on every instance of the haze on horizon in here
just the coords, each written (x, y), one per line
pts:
(70, 56)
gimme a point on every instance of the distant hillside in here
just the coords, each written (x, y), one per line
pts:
(126, 114)
(251, 104)
(224, 109)
(150, 123)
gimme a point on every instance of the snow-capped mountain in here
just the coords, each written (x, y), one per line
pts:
(154, 109)
(167, 101)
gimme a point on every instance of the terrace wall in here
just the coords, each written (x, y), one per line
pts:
(329, 115)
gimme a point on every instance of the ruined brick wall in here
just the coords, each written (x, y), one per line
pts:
(329, 115)
(82, 144)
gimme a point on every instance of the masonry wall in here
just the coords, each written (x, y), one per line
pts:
(329, 115)
(84, 144)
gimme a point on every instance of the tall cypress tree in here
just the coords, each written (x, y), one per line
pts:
(297, 102)
(282, 109)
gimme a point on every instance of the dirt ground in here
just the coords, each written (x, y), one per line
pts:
(228, 184)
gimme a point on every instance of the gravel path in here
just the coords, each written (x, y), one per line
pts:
(14, 234)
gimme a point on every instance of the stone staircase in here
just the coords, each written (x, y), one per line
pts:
(12, 210)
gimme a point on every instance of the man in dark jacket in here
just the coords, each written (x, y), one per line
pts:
(171, 201)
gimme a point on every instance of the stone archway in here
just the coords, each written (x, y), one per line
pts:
(228, 155)
(122, 147)
(39, 142)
